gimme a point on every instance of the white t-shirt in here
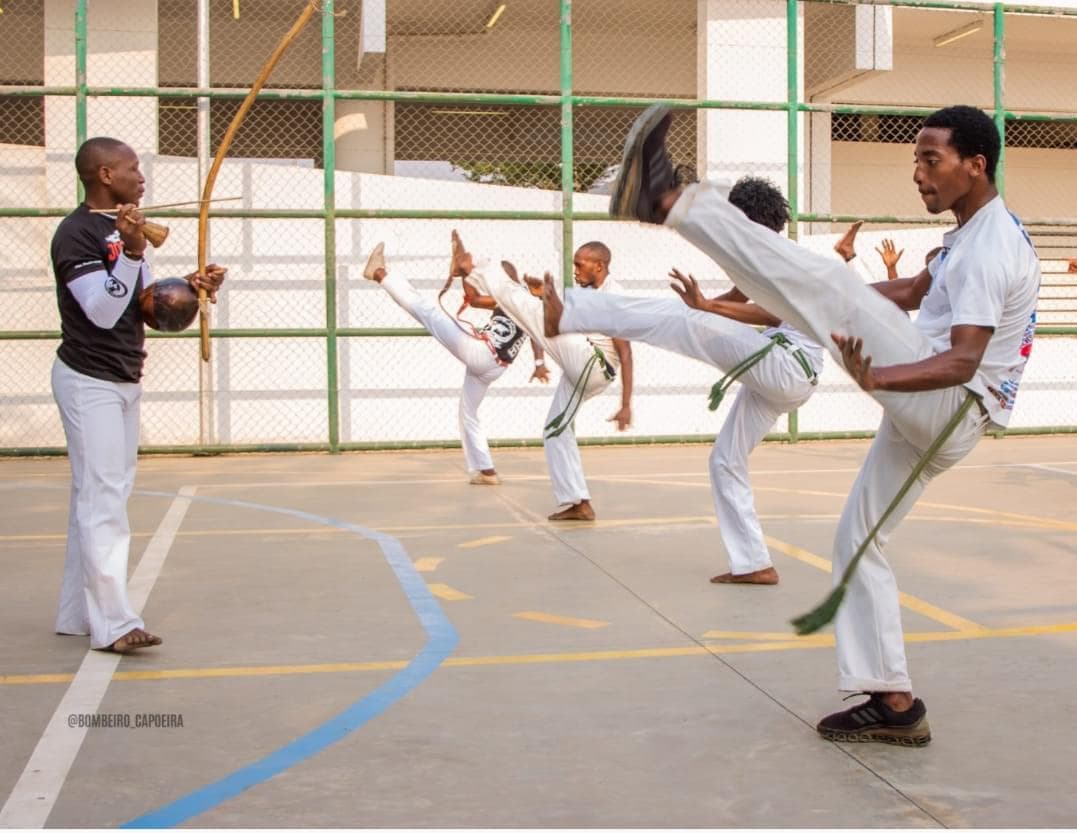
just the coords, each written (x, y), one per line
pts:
(988, 274)
(605, 343)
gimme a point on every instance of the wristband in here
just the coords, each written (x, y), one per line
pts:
(540, 363)
(132, 255)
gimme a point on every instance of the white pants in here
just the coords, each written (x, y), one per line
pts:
(572, 354)
(773, 386)
(100, 421)
(819, 296)
(482, 367)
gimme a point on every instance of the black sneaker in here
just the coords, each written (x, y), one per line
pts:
(874, 721)
(646, 170)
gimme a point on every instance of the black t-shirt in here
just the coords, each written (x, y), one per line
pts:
(505, 336)
(86, 243)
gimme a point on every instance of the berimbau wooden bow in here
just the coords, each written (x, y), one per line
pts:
(211, 177)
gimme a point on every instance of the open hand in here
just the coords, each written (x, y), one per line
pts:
(890, 256)
(857, 365)
(688, 289)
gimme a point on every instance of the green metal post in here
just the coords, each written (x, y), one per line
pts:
(792, 112)
(80, 81)
(329, 164)
(792, 78)
(566, 142)
(1000, 108)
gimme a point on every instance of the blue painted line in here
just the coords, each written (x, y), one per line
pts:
(441, 641)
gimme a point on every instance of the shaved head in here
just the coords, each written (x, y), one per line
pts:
(95, 153)
(597, 250)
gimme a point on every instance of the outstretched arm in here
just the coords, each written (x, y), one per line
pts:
(747, 313)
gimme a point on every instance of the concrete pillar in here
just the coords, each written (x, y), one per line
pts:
(741, 56)
(121, 51)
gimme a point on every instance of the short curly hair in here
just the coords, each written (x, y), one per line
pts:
(972, 133)
(761, 200)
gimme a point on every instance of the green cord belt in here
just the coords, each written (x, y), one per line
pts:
(723, 384)
(563, 420)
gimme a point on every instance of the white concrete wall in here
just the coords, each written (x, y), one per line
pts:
(870, 177)
(273, 390)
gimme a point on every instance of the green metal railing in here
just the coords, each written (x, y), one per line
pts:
(566, 101)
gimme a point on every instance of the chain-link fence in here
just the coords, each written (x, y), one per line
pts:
(396, 121)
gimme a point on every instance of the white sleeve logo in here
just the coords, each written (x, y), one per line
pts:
(114, 288)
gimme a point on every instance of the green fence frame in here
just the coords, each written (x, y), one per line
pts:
(566, 100)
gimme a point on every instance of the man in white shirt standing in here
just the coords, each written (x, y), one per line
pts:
(977, 303)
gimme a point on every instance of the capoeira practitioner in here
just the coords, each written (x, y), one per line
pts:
(485, 354)
(588, 366)
(774, 381)
(97, 383)
(968, 346)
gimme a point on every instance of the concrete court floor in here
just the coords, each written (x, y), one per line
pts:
(598, 680)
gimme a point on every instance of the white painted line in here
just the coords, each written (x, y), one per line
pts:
(1054, 469)
(39, 786)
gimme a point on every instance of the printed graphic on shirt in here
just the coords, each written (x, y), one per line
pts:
(1006, 394)
(504, 336)
(115, 247)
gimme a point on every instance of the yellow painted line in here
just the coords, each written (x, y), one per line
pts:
(783, 636)
(798, 553)
(791, 643)
(483, 542)
(1038, 520)
(1016, 516)
(553, 619)
(427, 565)
(1004, 519)
(943, 617)
(449, 594)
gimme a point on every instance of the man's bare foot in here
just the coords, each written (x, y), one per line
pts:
(510, 270)
(534, 285)
(462, 262)
(846, 246)
(375, 264)
(581, 511)
(133, 640)
(551, 308)
(766, 576)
